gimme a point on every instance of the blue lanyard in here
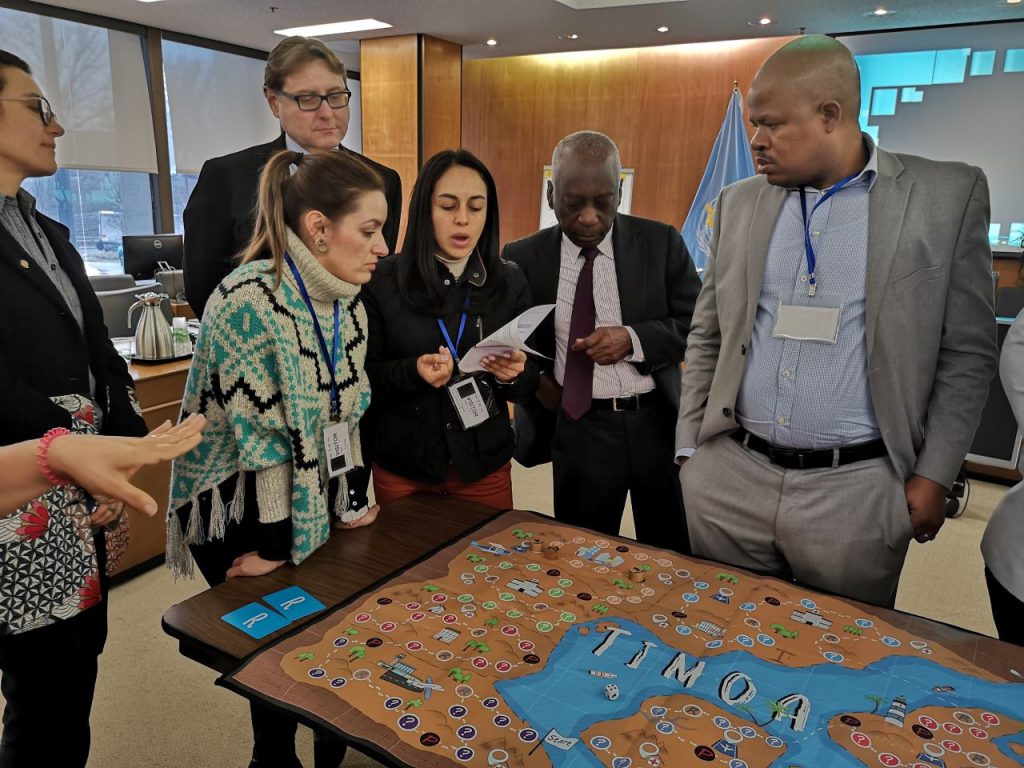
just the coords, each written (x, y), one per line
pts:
(332, 362)
(812, 259)
(454, 348)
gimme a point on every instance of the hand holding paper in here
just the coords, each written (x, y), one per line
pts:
(510, 337)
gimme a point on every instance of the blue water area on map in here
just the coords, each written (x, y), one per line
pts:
(565, 697)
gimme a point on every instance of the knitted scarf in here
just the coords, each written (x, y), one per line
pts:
(259, 377)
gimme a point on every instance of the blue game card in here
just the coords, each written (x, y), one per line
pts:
(255, 620)
(293, 603)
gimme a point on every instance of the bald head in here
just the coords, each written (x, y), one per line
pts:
(817, 67)
(804, 104)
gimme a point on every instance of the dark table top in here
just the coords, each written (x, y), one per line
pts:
(350, 562)
(409, 530)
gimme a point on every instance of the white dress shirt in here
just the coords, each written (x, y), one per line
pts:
(622, 378)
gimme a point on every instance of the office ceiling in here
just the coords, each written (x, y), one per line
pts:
(543, 26)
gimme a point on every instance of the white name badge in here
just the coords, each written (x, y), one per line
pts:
(468, 402)
(338, 447)
(815, 323)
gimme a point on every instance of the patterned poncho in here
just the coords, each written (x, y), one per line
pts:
(259, 377)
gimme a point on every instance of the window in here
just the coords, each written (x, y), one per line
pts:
(95, 78)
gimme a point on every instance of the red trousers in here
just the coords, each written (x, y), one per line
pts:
(494, 490)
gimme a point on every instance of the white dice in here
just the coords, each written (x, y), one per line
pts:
(611, 691)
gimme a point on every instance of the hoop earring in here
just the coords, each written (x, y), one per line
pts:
(321, 244)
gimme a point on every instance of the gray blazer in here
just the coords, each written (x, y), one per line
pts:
(931, 331)
(1003, 542)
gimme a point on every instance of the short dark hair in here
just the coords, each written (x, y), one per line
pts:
(8, 59)
(418, 280)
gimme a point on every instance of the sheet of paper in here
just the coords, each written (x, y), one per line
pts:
(509, 337)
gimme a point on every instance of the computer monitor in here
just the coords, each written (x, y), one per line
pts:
(143, 253)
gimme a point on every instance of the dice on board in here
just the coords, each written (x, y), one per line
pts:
(611, 691)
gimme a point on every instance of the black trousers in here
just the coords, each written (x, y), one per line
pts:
(1007, 611)
(49, 677)
(273, 733)
(605, 454)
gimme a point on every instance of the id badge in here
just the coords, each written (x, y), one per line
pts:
(469, 402)
(338, 448)
(818, 322)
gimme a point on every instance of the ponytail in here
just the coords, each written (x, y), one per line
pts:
(270, 235)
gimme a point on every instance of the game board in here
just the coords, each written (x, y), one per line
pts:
(531, 644)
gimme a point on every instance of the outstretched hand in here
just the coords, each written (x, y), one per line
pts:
(103, 464)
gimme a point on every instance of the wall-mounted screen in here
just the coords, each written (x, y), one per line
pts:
(955, 93)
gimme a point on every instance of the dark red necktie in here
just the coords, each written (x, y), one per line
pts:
(578, 381)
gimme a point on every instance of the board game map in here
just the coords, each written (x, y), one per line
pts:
(531, 644)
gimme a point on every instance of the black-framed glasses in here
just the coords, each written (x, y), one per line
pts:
(310, 102)
(43, 108)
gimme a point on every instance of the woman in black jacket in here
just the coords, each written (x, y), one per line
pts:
(426, 307)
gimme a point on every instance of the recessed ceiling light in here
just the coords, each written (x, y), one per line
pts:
(569, 36)
(335, 28)
(1013, 2)
(665, 29)
(492, 41)
(761, 22)
(880, 12)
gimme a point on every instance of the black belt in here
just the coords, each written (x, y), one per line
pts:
(795, 458)
(632, 403)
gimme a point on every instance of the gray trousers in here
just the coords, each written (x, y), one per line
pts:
(844, 530)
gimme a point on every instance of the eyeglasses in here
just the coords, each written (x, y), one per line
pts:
(310, 102)
(46, 113)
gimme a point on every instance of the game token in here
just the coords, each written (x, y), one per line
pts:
(991, 719)
(362, 618)
(963, 717)
(526, 645)
(584, 596)
(540, 607)
(649, 749)
(707, 754)
(922, 732)
(678, 614)
(361, 675)
(444, 656)
(766, 640)
(513, 614)
(408, 722)
(478, 632)
(497, 757)
(449, 618)
(774, 741)
(752, 622)
(701, 585)
(622, 548)
(464, 753)
(418, 616)
(466, 733)
(614, 599)
(317, 672)
(600, 742)
(340, 642)
(693, 710)
(622, 762)
(978, 758)
(414, 645)
(978, 733)
(860, 739)
(388, 626)
(722, 723)
(634, 600)
(889, 760)
(490, 605)
(565, 583)
(850, 720)
(927, 722)
(430, 739)
(393, 703)
(384, 601)
(682, 573)
(682, 629)
(531, 658)
(479, 662)
(501, 720)
(864, 623)
(934, 750)
(463, 691)
(528, 735)
(748, 732)
(748, 607)
(809, 604)
(374, 642)
(690, 597)
(952, 728)
(952, 746)
(745, 641)
(773, 600)
(892, 642)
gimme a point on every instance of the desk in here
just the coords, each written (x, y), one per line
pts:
(159, 389)
(608, 651)
(350, 562)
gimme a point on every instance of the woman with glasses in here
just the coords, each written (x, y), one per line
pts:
(59, 373)
(431, 427)
(305, 86)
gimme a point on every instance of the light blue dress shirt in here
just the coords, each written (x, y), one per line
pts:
(813, 394)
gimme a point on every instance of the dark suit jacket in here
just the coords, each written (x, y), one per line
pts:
(43, 352)
(219, 215)
(658, 288)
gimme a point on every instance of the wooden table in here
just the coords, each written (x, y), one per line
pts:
(409, 530)
(159, 388)
(350, 562)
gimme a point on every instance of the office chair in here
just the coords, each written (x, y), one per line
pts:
(111, 282)
(1009, 301)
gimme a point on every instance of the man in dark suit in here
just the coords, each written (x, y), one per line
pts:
(306, 89)
(54, 344)
(624, 290)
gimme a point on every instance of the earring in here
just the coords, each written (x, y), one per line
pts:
(321, 244)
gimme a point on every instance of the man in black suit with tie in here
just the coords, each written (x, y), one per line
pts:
(624, 289)
(305, 86)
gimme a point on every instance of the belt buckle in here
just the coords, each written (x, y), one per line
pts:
(615, 405)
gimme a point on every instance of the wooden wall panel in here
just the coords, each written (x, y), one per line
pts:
(389, 79)
(663, 107)
(441, 102)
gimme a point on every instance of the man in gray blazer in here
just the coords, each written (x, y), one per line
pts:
(841, 346)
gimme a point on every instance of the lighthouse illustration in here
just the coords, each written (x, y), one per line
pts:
(897, 711)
